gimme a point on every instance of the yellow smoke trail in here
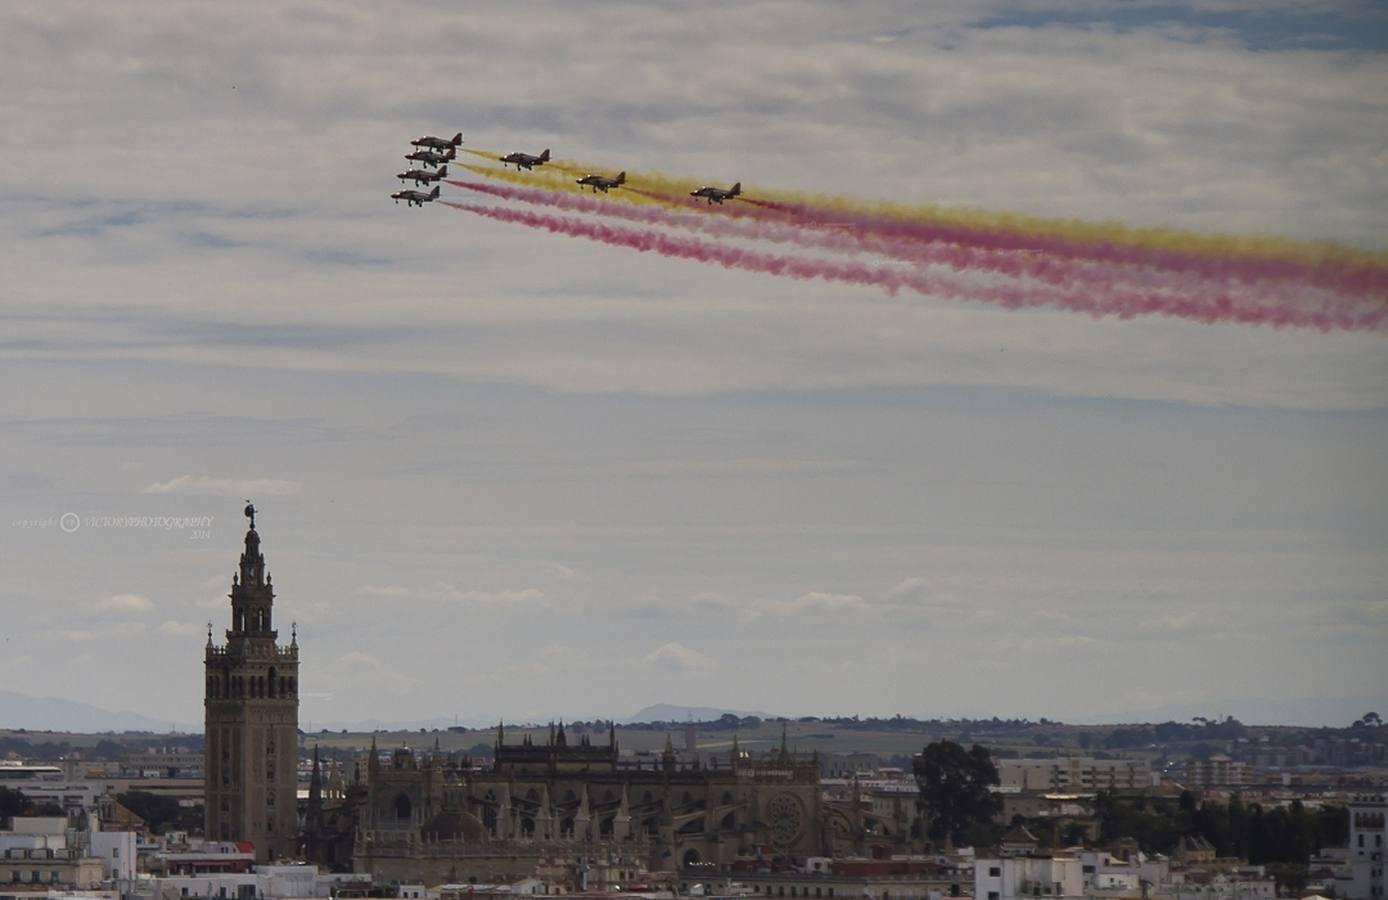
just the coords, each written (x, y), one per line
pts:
(1176, 240)
(1252, 245)
(560, 181)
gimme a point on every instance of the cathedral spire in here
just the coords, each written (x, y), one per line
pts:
(315, 783)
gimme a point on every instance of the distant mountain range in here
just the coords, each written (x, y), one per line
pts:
(666, 712)
(56, 714)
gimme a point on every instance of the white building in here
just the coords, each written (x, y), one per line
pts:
(261, 883)
(1356, 872)
(1017, 877)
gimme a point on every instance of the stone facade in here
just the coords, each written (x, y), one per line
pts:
(428, 818)
(251, 710)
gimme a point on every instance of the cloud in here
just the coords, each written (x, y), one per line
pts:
(126, 603)
(388, 590)
(226, 487)
(677, 656)
(523, 598)
(179, 629)
(817, 603)
(357, 669)
(1060, 643)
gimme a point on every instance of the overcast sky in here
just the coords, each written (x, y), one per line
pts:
(502, 472)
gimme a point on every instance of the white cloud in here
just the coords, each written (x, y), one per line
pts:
(524, 598)
(388, 590)
(677, 656)
(816, 603)
(179, 629)
(126, 603)
(226, 487)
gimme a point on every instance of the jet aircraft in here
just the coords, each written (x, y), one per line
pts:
(422, 176)
(416, 198)
(438, 143)
(430, 158)
(602, 182)
(525, 160)
(717, 194)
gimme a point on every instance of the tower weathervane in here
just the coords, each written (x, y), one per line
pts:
(250, 513)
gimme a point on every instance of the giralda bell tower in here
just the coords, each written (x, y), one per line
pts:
(252, 719)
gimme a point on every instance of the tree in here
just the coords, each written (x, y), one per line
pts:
(954, 783)
(12, 803)
(159, 812)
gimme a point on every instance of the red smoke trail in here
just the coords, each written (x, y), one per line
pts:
(1345, 278)
(1221, 308)
(1121, 285)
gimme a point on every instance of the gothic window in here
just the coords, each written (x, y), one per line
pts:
(271, 682)
(402, 806)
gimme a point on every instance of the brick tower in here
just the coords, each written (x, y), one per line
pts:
(251, 709)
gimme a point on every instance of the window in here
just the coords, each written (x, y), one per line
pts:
(992, 895)
(995, 871)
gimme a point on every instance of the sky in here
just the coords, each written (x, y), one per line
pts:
(503, 473)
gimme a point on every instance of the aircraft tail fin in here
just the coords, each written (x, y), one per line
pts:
(443, 170)
(457, 139)
(621, 178)
(434, 193)
(544, 157)
(737, 189)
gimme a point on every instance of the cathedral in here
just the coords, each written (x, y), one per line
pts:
(408, 817)
(427, 817)
(251, 716)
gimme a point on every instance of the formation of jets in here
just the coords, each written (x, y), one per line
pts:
(525, 160)
(602, 182)
(435, 153)
(717, 194)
